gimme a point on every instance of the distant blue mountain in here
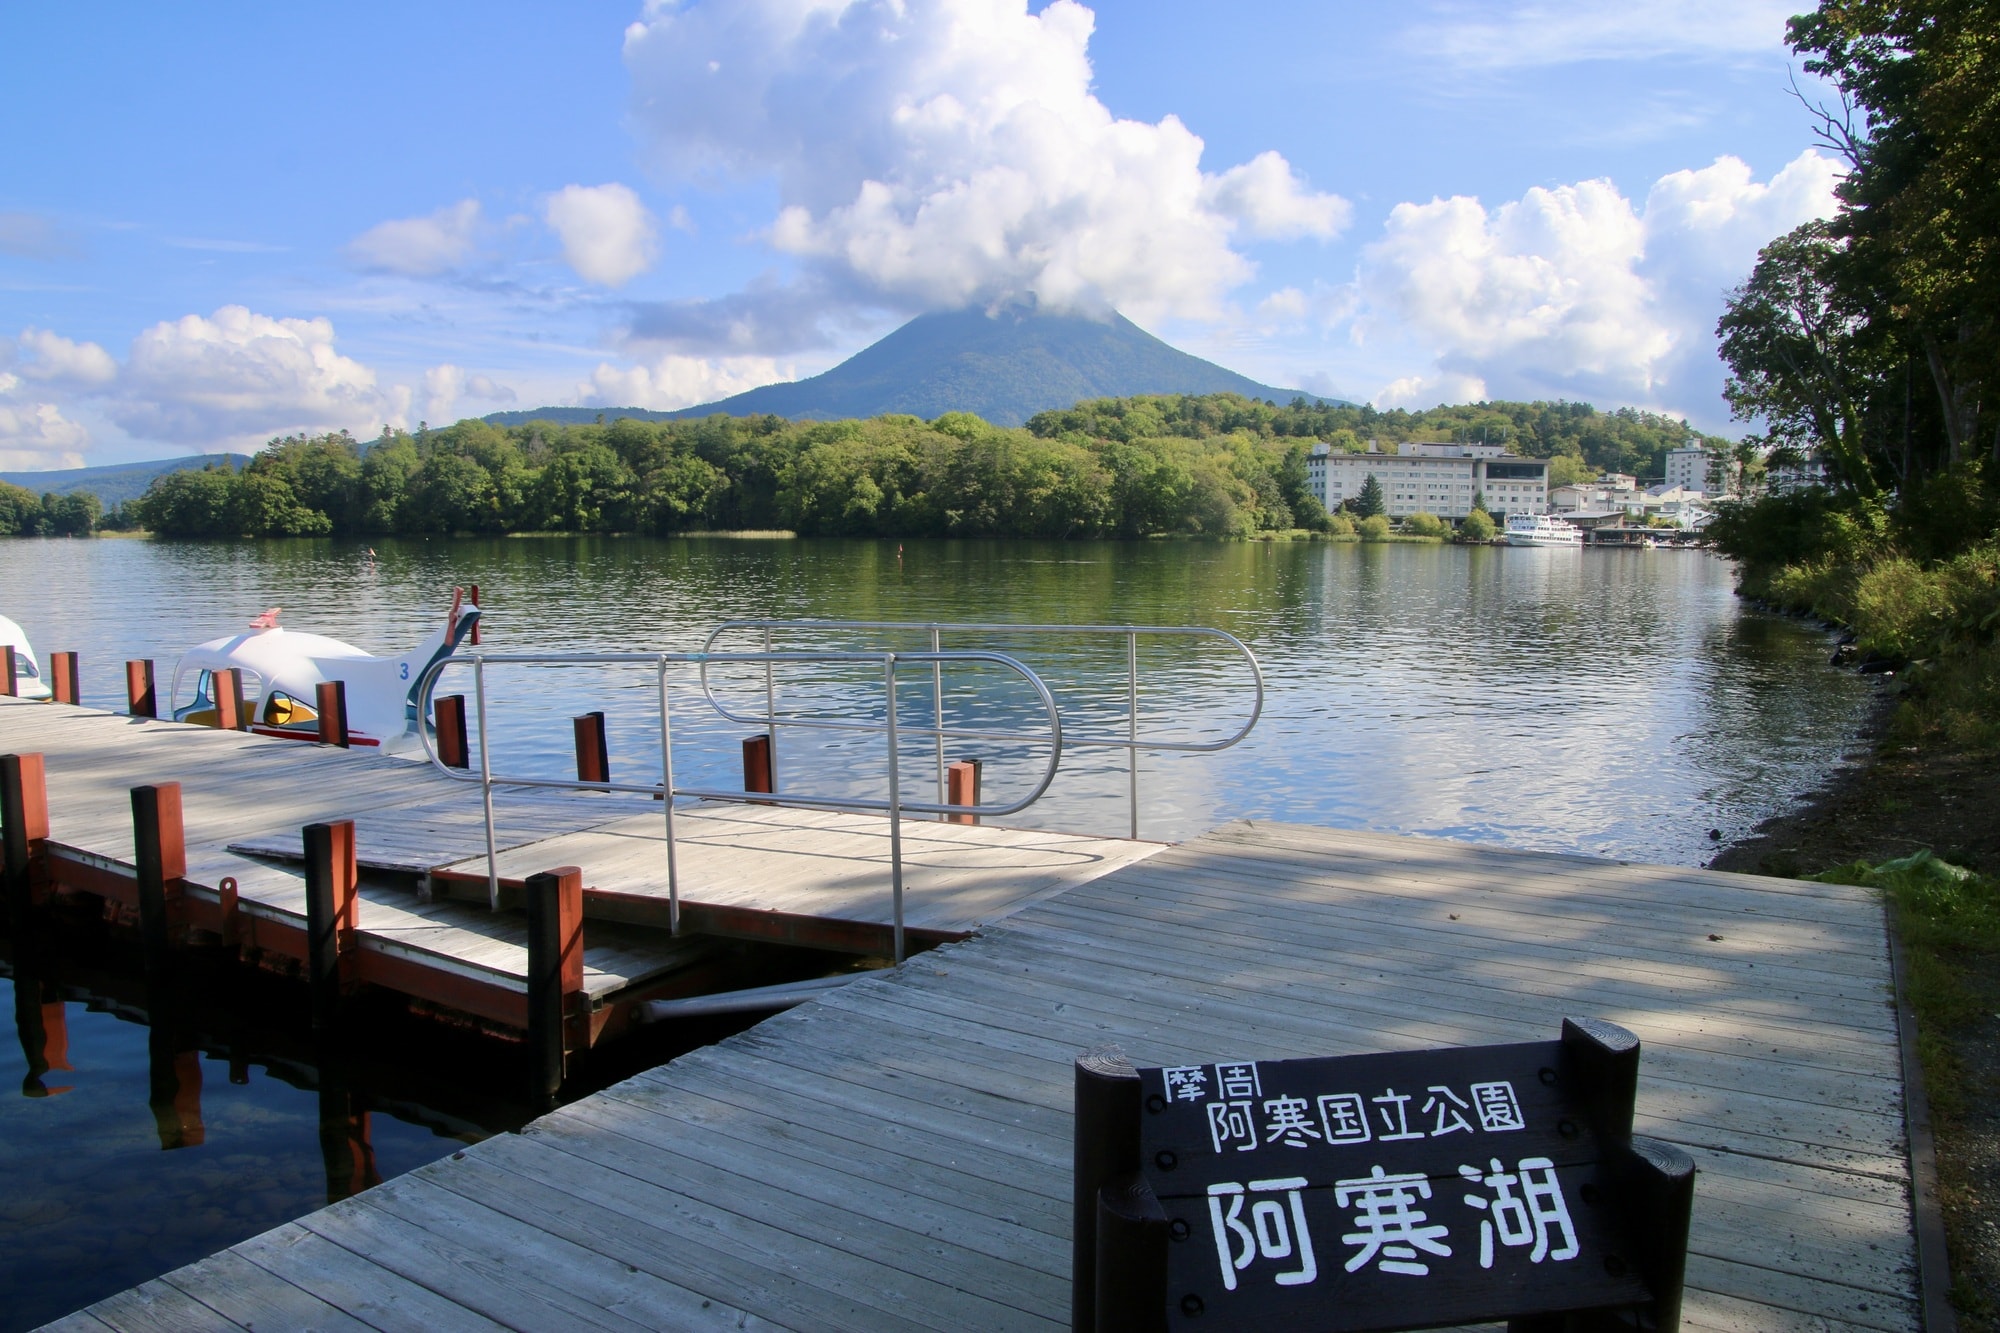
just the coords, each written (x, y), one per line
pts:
(116, 483)
(1004, 367)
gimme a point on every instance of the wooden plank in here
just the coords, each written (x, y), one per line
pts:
(157, 1307)
(240, 1291)
(355, 1284)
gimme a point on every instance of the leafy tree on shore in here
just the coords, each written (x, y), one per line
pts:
(1477, 526)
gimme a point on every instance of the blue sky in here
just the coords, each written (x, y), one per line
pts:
(225, 222)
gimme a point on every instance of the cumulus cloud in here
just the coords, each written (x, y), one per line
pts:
(446, 385)
(52, 358)
(419, 247)
(239, 375)
(36, 435)
(950, 152)
(608, 237)
(1577, 289)
(676, 381)
(1557, 32)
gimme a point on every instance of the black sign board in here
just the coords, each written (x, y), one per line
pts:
(1379, 1192)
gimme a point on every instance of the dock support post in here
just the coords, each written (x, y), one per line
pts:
(331, 701)
(962, 788)
(593, 752)
(160, 855)
(757, 763)
(24, 826)
(228, 687)
(8, 670)
(173, 1075)
(140, 701)
(555, 973)
(332, 913)
(449, 713)
(63, 686)
(1106, 1149)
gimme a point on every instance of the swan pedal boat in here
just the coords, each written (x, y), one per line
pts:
(282, 670)
(28, 682)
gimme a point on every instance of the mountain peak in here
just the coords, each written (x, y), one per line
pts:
(1003, 364)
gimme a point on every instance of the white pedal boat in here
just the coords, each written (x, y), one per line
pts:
(282, 670)
(28, 682)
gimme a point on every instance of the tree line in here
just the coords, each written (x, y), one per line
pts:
(78, 514)
(1871, 340)
(1215, 465)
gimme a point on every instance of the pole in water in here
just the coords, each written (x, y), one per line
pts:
(140, 700)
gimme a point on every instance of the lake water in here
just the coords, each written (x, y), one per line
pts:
(1615, 703)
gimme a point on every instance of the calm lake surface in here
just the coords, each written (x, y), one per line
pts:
(1615, 703)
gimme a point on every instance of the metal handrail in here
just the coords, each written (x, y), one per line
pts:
(1132, 743)
(894, 805)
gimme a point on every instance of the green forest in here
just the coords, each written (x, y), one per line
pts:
(1210, 466)
(1872, 340)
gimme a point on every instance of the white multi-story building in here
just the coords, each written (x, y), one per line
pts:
(1687, 469)
(1439, 479)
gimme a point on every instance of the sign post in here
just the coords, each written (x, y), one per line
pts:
(1368, 1193)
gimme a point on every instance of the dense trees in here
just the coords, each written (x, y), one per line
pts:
(1216, 465)
(1872, 340)
(24, 514)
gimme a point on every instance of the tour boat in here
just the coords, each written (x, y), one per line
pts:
(1542, 530)
(28, 682)
(282, 669)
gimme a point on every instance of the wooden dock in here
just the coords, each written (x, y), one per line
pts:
(813, 878)
(896, 1155)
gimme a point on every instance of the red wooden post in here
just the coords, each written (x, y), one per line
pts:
(555, 974)
(139, 698)
(63, 686)
(452, 750)
(962, 788)
(332, 703)
(160, 856)
(228, 687)
(24, 826)
(757, 763)
(8, 668)
(593, 754)
(482, 614)
(333, 903)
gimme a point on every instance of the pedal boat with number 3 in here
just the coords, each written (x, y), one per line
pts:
(28, 682)
(282, 670)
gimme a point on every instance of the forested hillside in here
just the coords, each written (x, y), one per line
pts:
(1216, 465)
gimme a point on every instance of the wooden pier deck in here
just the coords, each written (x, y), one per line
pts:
(896, 1155)
(791, 876)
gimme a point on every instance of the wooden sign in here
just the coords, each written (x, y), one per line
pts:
(1380, 1192)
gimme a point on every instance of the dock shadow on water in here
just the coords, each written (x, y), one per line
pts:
(136, 1137)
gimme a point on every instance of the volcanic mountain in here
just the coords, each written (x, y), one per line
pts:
(1005, 367)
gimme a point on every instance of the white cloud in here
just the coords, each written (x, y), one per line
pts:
(54, 358)
(608, 236)
(950, 152)
(1575, 289)
(446, 385)
(419, 247)
(1559, 32)
(676, 381)
(240, 377)
(36, 435)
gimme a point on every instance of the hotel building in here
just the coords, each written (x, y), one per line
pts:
(1436, 479)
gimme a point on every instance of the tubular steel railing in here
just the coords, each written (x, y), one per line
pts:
(1131, 742)
(894, 804)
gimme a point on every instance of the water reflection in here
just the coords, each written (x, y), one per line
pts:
(1620, 703)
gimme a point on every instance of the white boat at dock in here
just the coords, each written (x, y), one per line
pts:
(28, 682)
(282, 670)
(1542, 530)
